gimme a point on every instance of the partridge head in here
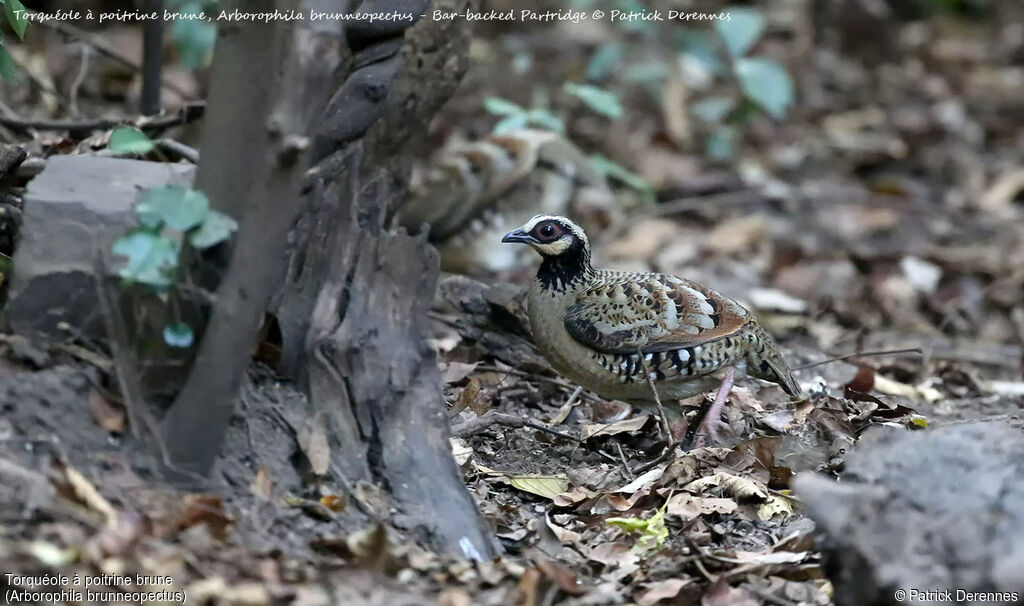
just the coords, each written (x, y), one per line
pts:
(624, 335)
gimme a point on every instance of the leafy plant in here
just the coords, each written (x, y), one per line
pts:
(170, 218)
(516, 117)
(763, 84)
(17, 19)
(653, 531)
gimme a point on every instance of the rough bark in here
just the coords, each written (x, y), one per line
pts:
(254, 153)
(371, 371)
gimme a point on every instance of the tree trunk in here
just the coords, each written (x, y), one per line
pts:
(255, 140)
(371, 371)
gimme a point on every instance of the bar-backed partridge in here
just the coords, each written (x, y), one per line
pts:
(617, 333)
(475, 191)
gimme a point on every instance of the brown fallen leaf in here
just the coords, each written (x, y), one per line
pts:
(88, 494)
(205, 509)
(689, 507)
(313, 442)
(559, 574)
(563, 534)
(106, 414)
(262, 486)
(739, 488)
(593, 430)
(455, 372)
(662, 590)
(546, 486)
(335, 503)
(721, 594)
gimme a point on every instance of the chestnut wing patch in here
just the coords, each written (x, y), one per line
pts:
(624, 313)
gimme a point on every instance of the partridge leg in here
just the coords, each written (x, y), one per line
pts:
(712, 423)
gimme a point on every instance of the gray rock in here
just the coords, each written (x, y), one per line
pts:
(77, 206)
(931, 510)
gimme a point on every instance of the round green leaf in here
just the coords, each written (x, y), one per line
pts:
(178, 334)
(215, 229)
(601, 101)
(766, 83)
(128, 140)
(741, 31)
(179, 207)
(151, 257)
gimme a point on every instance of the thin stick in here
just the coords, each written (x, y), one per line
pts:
(186, 114)
(493, 417)
(863, 354)
(657, 400)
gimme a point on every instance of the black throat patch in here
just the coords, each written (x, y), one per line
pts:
(558, 272)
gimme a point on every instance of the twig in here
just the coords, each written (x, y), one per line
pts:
(625, 465)
(493, 417)
(186, 114)
(83, 69)
(152, 61)
(178, 148)
(127, 378)
(862, 354)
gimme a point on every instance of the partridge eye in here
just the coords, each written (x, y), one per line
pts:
(548, 232)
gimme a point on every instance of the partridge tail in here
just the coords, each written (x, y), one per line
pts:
(765, 362)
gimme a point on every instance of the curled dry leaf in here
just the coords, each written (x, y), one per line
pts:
(593, 430)
(461, 451)
(775, 505)
(563, 534)
(313, 442)
(644, 481)
(689, 507)
(546, 486)
(739, 488)
(108, 416)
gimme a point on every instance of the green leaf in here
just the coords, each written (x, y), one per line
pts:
(215, 229)
(194, 38)
(766, 83)
(510, 124)
(8, 70)
(129, 140)
(601, 101)
(699, 46)
(741, 31)
(713, 109)
(545, 119)
(617, 171)
(604, 59)
(501, 107)
(179, 335)
(151, 257)
(720, 144)
(17, 17)
(179, 207)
